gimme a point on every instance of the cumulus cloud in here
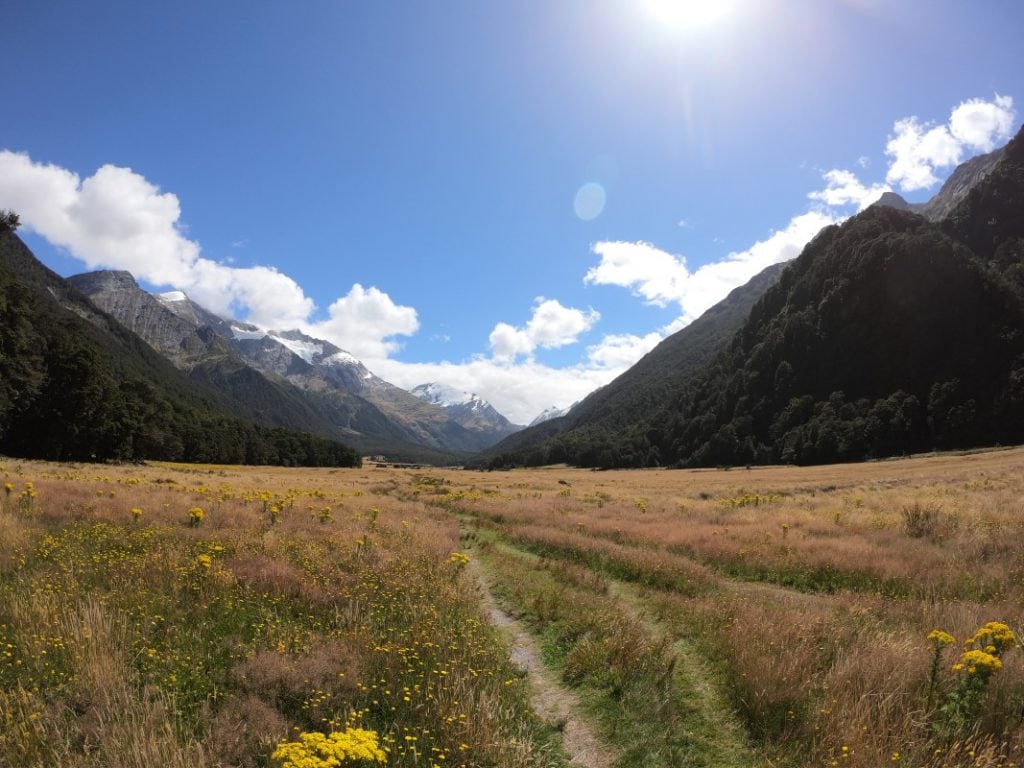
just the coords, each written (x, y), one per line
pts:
(844, 188)
(618, 351)
(117, 219)
(661, 278)
(917, 150)
(980, 124)
(365, 322)
(551, 325)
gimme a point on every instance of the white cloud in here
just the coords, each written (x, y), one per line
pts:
(661, 278)
(652, 274)
(365, 322)
(551, 326)
(117, 219)
(520, 391)
(917, 150)
(979, 124)
(508, 342)
(619, 351)
(844, 188)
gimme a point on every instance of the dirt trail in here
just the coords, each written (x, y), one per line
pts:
(553, 702)
(713, 717)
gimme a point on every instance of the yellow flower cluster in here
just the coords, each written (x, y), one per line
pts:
(979, 661)
(195, 516)
(460, 559)
(995, 635)
(317, 750)
(941, 638)
(205, 561)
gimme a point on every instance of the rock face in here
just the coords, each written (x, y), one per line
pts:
(76, 384)
(965, 178)
(178, 339)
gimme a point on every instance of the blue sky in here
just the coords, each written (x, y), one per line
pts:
(514, 198)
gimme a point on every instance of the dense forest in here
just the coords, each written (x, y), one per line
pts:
(888, 335)
(75, 385)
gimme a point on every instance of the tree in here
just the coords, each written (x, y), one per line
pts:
(9, 221)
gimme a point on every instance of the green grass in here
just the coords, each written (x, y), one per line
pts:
(653, 698)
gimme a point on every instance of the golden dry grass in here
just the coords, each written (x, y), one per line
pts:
(808, 592)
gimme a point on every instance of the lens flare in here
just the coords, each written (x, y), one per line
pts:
(589, 201)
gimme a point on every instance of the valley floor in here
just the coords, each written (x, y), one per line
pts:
(854, 615)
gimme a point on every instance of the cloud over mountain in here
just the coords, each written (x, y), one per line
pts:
(118, 219)
(917, 150)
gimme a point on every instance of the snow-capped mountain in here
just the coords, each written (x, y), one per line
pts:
(371, 413)
(548, 414)
(468, 409)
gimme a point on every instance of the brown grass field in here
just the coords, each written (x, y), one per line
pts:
(763, 617)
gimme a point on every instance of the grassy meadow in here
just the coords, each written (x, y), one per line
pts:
(855, 615)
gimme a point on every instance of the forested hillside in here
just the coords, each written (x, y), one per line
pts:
(88, 389)
(889, 334)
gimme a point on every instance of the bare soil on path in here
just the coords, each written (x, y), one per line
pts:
(553, 702)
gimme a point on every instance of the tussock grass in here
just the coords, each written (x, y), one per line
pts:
(817, 590)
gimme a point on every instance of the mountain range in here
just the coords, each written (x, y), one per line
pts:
(900, 330)
(301, 381)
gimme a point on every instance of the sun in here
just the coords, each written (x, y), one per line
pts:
(688, 14)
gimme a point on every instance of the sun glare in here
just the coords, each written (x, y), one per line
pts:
(688, 14)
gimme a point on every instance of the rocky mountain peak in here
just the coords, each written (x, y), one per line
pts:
(105, 280)
(466, 408)
(893, 200)
(959, 184)
(548, 414)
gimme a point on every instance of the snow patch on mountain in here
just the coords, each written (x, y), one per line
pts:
(172, 297)
(446, 396)
(245, 334)
(547, 414)
(307, 350)
(340, 358)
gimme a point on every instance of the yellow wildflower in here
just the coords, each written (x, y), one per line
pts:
(317, 750)
(205, 561)
(941, 638)
(978, 661)
(995, 634)
(460, 559)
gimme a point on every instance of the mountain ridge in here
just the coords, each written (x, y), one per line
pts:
(76, 384)
(344, 397)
